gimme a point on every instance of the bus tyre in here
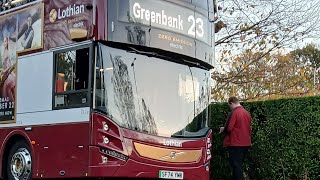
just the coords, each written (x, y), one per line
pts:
(19, 162)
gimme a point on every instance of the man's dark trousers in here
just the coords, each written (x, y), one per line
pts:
(237, 155)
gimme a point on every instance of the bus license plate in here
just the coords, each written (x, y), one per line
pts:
(170, 174)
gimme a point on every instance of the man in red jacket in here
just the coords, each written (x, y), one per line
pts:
(237, 139)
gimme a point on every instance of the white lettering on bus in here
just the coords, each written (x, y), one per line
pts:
(70, 11)
(172, 143)
(157, 17)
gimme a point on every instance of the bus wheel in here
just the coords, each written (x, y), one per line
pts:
(19, 162)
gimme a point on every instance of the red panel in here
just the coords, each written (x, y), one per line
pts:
(112, 134)
(63, 148)
(137, 169)
(100, 29)
(186, 143)
(121, 142)
(68, 148)
(56, 148)
(97, 168)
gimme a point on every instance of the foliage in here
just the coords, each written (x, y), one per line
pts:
(285, 138)
(308, 55)
(271, 77)
(249, 45)
(265, 24)
(274, 76)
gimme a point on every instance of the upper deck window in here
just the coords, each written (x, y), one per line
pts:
(8, 4)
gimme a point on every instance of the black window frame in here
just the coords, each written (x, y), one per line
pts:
(88, 90)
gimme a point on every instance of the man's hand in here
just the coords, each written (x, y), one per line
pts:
(221, 130)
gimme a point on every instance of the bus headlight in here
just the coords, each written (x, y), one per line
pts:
(105, 140)
(104, 159)
(105, 126)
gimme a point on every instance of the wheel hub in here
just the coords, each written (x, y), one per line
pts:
(21, 164)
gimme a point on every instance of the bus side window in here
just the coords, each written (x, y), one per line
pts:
(71, 78)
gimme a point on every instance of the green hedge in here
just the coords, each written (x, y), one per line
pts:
(285, 137)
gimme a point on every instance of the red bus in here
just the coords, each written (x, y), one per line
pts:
(105, 88)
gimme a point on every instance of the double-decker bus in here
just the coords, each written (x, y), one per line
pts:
(105, 88)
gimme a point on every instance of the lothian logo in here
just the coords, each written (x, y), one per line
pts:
(172, 143)
(71, 10)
